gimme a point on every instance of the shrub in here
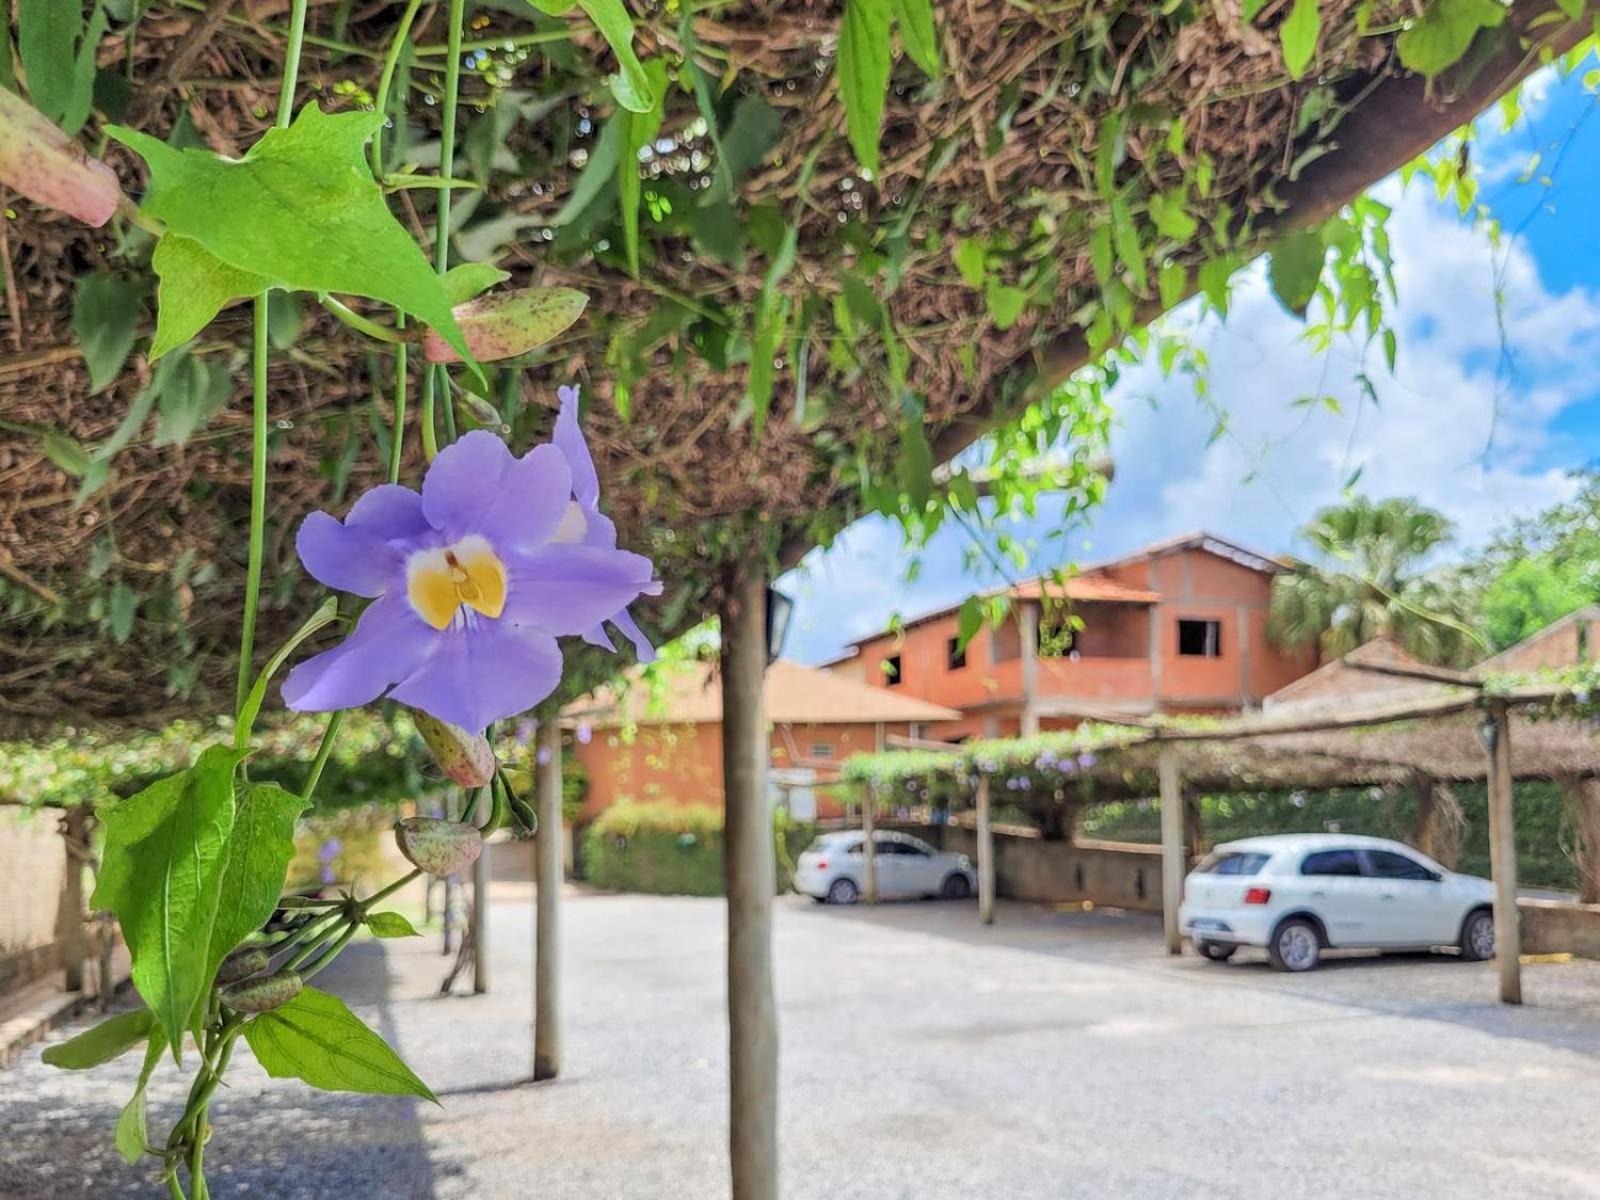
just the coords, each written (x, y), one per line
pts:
(674, 849)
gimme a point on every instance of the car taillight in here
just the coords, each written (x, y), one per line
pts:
(822, 864)
(1258, 895)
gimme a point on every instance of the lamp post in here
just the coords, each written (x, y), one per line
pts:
(780, 611)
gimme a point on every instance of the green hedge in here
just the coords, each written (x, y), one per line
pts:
(674, 849)
(1541, 824)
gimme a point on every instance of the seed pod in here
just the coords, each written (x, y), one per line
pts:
(48, 167)
(465, 758)
(505, 324)
(265, 994)
(439, 847)
(242, 964)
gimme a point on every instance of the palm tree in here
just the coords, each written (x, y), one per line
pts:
(1371, 583)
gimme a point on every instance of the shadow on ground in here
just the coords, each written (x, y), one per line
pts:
(59, 1124)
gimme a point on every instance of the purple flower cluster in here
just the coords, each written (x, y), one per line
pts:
(472, 580)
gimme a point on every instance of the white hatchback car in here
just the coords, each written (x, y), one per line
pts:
(1297, 894)
(833, 868)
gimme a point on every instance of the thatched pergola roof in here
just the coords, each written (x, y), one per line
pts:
(1002, 148)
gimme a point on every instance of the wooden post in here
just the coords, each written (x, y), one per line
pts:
(1503, 855)
(70, 923)
(1172, 850)
(985, 855)
(869, 846)
(480, 901)
(750, 877)
(547, 851)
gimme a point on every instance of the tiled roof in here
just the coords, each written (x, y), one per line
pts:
(794, 694)
(1084, 587)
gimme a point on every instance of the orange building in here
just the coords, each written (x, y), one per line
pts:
(664, 744)
(1180, 626)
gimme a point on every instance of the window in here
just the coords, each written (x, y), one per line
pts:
(821, 749)
(1232, 863)
(1200, 639)
(891, 670)
(1386, 864)
(955, 654)
(1331, 862)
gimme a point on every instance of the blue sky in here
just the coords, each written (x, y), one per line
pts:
(1458, 426)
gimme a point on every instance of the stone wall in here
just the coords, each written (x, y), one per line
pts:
(1112, 874)
(33, 868)
(1560, 927)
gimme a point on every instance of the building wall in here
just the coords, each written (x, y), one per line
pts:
(1563, 644)
(1113, 874)
(33, 871)
(682, 764)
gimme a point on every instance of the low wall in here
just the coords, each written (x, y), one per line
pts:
(1560, 927)
(33, 872)
(1112, 874)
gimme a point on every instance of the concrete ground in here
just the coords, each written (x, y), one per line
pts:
(1057, 1054)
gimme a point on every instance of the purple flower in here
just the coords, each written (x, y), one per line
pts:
(584, 523)
(542, 755)
(585, 733)
(470, 587)
(1086, 760)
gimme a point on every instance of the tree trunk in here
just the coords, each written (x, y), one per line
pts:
(750, 875)
(547, 899)
(1582, 799)
(1440, 821)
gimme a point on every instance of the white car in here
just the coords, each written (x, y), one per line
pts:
(833, 868)
(1298, 894)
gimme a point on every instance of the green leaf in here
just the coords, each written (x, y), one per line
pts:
(466, 280)
(1573, 8)
(969, 621)
(1101, 257)
(1250, 9)
(752, 132)
(285, 318)
(106, 1041)
(191, 395)
(1005, 303)
(259, 850)
(124, 606)
(638, 88)
(315, 1038)
(195, 285)
(47, 38)
(1216, 276)
(326, 613)
(104, 319)
(914, 462)
(1445, 30)
(919, 35)
(1172, 217)
(1299, 33)
(390, 925)
(300, 209)
(969, 255)
(865, 60)
(1125, 235)
(161, 871)
(133, 1138)
(1173, 284)
(81, 99)
(66, 452)
(772, 324)
(1295, 269)
(638, 131)
(600, 170)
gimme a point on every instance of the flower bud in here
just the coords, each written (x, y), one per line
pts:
(465, 758)
(439, 847)
(505, 324)
(48, 167)
(242, 964)
(265, 994)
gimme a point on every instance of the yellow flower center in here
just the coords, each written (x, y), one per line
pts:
(439, 582)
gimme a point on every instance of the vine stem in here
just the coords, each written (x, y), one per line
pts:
(436, 381)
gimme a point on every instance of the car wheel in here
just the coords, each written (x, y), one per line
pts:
(842, 891)
(1216, 951)
(956, 887)
(1296, 946)
(1477, 936)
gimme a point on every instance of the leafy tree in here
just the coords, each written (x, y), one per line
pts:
(1543, 567)
(1372, 582)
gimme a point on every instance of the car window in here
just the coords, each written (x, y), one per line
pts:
(1386, 864)
(1331, 862)
(1233, 862)
(920, 848)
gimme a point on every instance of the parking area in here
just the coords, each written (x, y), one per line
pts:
(1058, 1053)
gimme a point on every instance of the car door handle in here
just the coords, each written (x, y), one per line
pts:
(1318, 895)
(1387, 896)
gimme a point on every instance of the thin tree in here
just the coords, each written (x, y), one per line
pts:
(1371, 581)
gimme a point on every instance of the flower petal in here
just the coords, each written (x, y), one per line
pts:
(464, 482)
(569, 440)
(390, 511)
(571, 589)
(482, 671)
(389, 643)
(345, 557)
(642, 649)
(530, 501)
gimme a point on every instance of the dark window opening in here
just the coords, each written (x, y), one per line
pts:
(1331, 862)
(891, 670)
(1200, 639)
(955, 654)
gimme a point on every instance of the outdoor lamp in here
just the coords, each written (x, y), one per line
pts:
(779, 611)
